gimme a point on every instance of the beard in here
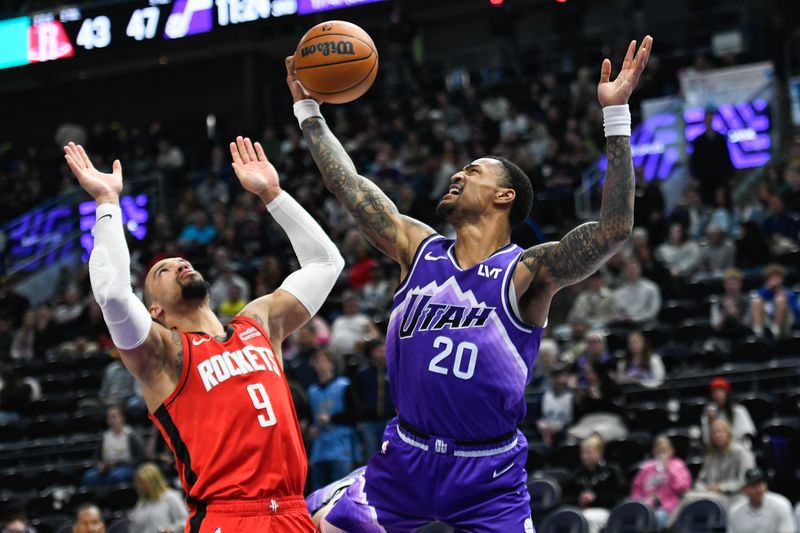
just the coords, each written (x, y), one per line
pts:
(444, 210)
(195, 290)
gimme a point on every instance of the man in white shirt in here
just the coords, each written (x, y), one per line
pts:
(638, 299)
(763, 511)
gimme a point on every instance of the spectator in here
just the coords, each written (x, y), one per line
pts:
(679, 254)
(730, 312)
(722, 215)
(556, 406)
(662, 481)
(545, 362)
(219, 290)
(298, 367)
(763, 511)
(23, 346)
(375, 396)
(594, 304)
(722, 475)
(118, 386)
(717, 254)
(198, 234)
(638, 299)
(652, 268)
(594, 407)
(710, 162)
(649, 212)
(692, 214)
(596, 484)
(67, 314)
(17, 522)
(640, 365)
(773, 306)
(232, 304)
(46, 333)
(15, 395)
(211, 189)
(334, 411)
(118, 454)
(88, 519)
(595, 352)
(722, 407)
(159, 509)
(351, 328)
(751, 248)
(779, 223)
(12, 304)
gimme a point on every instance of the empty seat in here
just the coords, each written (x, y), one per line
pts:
(691, 410)
(760, 406)
(701, 516)
(681, 441)
(565, 520)
(624, 452)
(40, 505)
(566, 456)
(650, 417)
(693, 331)
(121, 497)
(538, 453)
(545, 496)
(10, 431)
(631, 517)
(752, 349)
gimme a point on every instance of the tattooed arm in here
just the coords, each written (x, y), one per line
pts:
(396, 235)
(554, 265)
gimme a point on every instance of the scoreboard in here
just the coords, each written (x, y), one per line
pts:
(75, 30)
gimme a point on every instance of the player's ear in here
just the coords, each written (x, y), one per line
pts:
(505, 196)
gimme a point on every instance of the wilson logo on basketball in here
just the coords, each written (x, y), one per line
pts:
(328, 48)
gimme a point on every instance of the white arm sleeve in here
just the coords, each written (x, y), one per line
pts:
(320, 260)
(110, 274)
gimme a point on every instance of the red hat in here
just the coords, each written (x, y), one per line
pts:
(720, 383)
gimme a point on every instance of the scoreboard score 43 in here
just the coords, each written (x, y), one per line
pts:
(75, 30)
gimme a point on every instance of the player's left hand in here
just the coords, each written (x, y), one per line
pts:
(253, 169)
(618, 91)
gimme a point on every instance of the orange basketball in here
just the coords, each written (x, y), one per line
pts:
(336, 61)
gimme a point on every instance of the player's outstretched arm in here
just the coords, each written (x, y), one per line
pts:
(396, 235)
(304, 291)
(144, 344)
(584, 249)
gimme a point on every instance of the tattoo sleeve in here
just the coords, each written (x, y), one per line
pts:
(584, 249)
(375, 214)
(176, 340)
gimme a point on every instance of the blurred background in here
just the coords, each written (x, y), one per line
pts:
(691, 326)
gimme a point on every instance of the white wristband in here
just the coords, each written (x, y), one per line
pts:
(617, 120)
(304, 109)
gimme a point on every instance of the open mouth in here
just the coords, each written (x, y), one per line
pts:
(455, 190)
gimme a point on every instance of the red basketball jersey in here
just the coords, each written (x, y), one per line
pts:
(231, 422)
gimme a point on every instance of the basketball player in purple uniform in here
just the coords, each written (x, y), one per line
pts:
(466, 324)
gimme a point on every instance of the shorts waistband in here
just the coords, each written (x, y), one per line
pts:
(269, 506)
(458, 448)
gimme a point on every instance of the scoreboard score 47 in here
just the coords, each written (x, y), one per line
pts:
(75, 30)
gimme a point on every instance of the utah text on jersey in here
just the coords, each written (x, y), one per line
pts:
(221, 367)
(421, 315)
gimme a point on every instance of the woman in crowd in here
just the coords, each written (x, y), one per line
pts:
(159, 508)
(679, 254)
(662, 480)
(119, 453)
(640, 364)
(597, 484)
(721, 407)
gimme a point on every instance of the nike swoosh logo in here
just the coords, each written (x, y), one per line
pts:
(104, 216)
(430, 257)
(198, 342)
(497, 474)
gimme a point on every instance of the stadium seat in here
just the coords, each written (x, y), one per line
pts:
(691, 411)
(631, 517)
(14, 480)
(681, 441)
(559, 475)
(44, 426)
(10, 432)
(674, 312)
(701, 516)
(624, 452)
(122, 525)
(545, 496)
(47, 477)
(565, 520)
(693, 331)
(51, 523)
(649, 417)
(753, 350)
(538, 453)
(40, 505)
(566, 456)
(789, 404)
(760, 406)
(121, 497)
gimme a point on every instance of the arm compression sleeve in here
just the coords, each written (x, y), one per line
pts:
(320, 260)
(127, 318)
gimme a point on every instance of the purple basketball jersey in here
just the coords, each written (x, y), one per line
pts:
(458, 355)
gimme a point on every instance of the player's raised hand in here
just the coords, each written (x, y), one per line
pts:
(295, 87)
(253, 169)
(618, 91)
(102, 186)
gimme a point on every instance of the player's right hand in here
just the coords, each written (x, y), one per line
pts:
(104, 187)
(295, 87)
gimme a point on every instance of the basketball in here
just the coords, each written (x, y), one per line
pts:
(336, 61)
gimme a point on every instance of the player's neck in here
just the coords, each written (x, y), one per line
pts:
(477, 241)
(200, 318)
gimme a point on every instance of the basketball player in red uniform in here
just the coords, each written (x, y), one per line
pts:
(217, 394)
